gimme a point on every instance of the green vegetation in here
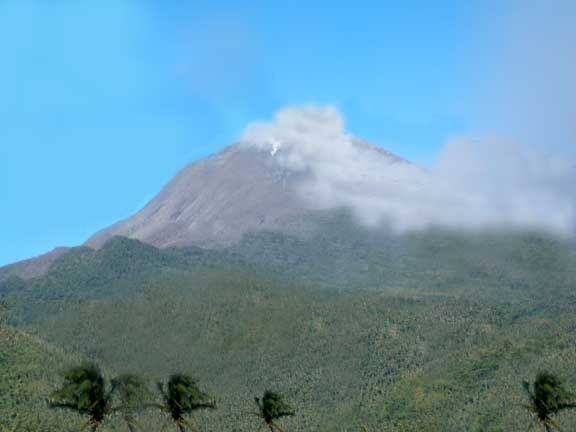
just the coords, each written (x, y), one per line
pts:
(272, 408)
(547, 398)
(84, 391)
(435, 331)
(134, 395)
(29, 373)
(181, 398)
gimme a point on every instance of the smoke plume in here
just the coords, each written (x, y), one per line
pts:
(473, 184)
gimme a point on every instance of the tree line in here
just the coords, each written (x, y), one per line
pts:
(86, 392)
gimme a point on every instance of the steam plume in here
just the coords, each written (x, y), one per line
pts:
(474, 183)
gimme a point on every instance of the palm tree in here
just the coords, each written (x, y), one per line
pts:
(271, 408)
(133, 394)
(181, 398)
(547, 397)
(84, 391)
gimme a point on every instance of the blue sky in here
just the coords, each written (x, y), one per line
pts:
(101, 102)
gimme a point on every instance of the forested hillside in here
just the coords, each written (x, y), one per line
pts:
(435, 331)
(29, 372)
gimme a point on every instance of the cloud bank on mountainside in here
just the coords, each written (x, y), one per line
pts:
(474, 183)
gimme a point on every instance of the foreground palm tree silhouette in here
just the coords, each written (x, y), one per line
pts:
(133, 395)
(548, 397)
(84, 391)
(181, 398)
(272, 408)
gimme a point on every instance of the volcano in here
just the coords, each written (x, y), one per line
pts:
(215, 201)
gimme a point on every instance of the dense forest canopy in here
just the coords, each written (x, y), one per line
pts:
(431, 331)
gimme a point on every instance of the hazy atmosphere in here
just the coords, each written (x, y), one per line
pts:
(90, 91)
(473, 183)
(287, 216)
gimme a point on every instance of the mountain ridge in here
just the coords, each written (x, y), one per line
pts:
(32, 267)
(216, 200)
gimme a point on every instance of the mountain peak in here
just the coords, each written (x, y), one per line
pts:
(216, 200)
(277, 171)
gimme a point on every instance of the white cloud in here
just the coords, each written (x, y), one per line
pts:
(473, 184)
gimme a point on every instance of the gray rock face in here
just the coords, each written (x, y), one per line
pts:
(213, 202)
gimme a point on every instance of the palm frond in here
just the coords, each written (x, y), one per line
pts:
(188, 424)
(183, 396)
(554, 425)
(547, 396)
(567, 405)
(275, 426)
(274, 405)
(83, 391)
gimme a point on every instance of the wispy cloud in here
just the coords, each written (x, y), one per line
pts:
(474, 183)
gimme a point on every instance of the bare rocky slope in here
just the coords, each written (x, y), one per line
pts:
(214, 202)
